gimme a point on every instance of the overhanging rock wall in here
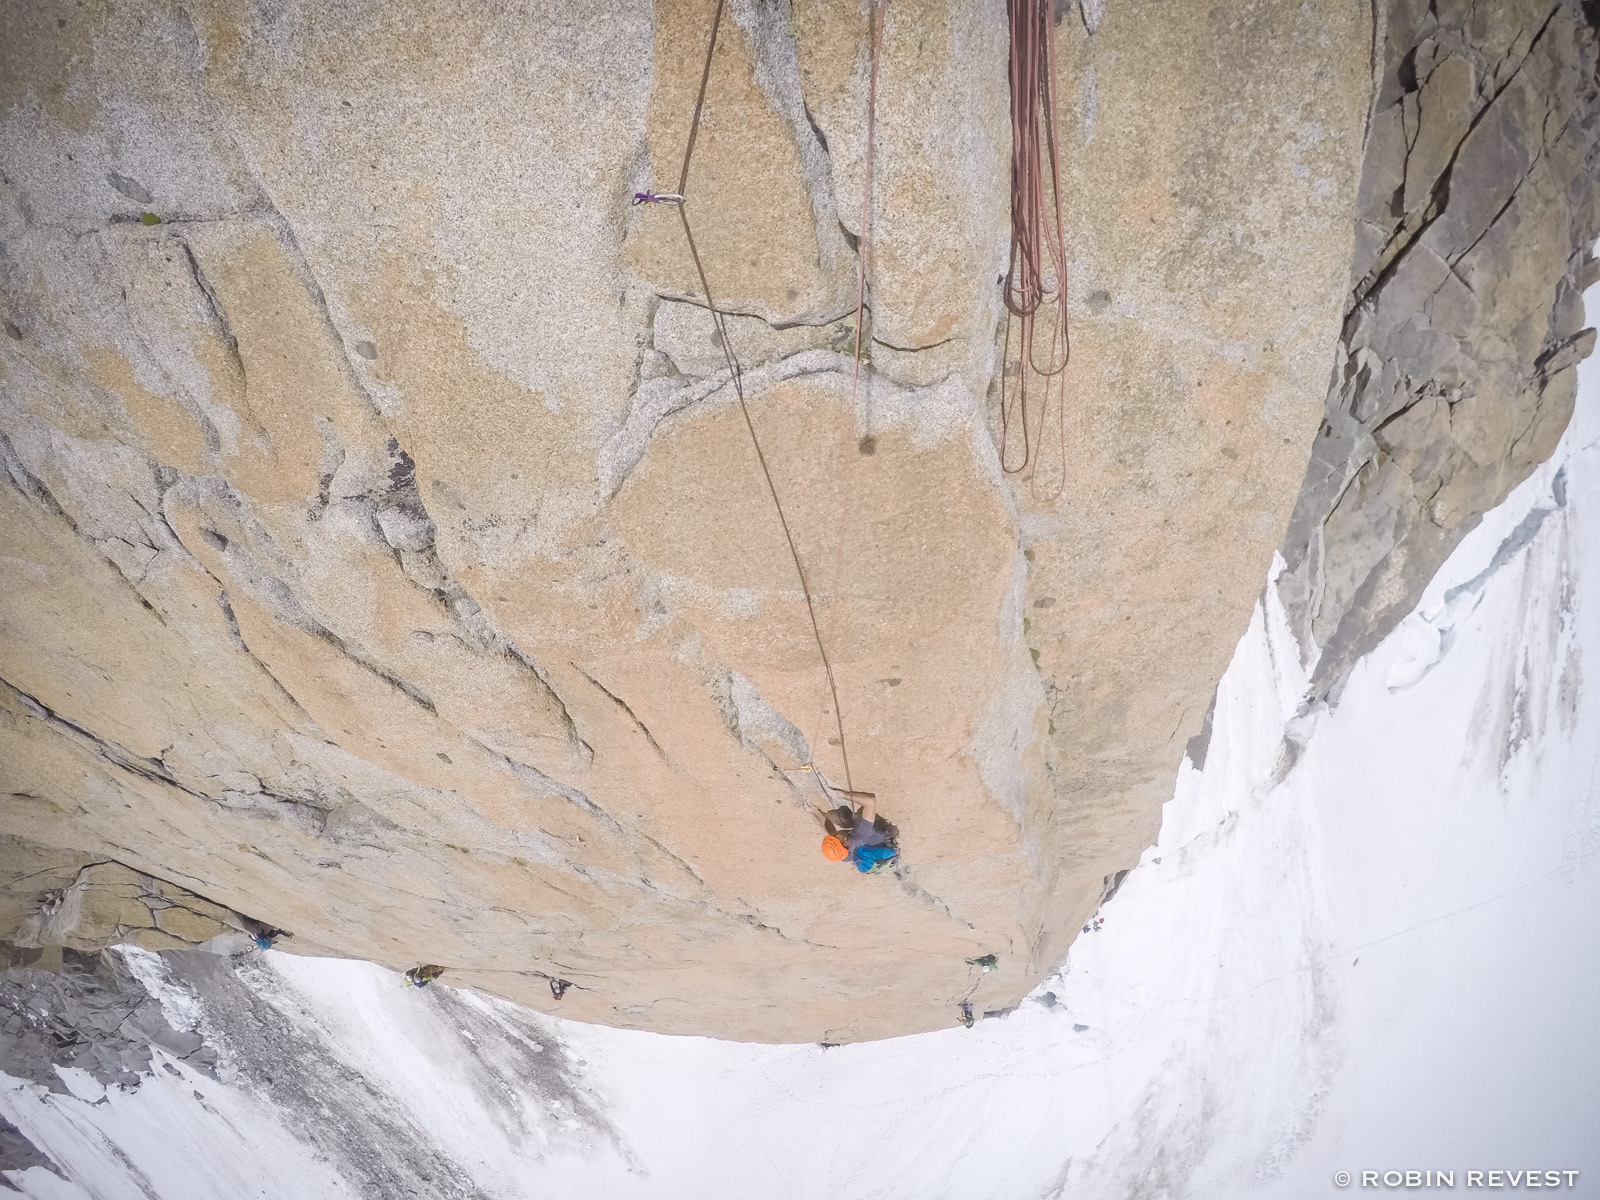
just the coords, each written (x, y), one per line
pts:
(385, 558)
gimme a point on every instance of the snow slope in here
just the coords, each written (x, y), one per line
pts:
(1368, 939)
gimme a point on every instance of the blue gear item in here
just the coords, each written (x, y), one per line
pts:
(873, 858)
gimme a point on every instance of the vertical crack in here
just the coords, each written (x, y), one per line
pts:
(219, 315)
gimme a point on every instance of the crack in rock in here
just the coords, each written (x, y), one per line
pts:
(1477, 173)
(623, 705)
(658, 399)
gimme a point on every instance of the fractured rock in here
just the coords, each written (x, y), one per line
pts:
(1455, 375)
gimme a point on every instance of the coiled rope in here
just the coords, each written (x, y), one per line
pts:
(1036, 278)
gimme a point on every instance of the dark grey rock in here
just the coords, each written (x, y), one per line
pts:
(131, 188)
(77, 1017)
(1455, 372)
(17, 1153)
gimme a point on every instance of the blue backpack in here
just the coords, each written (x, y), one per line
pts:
(874, 858)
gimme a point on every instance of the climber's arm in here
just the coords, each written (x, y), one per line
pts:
(866, 801)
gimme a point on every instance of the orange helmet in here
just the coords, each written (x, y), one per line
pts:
(833, 849)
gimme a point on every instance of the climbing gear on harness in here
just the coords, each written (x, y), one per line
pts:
(680, 199)
(988, 962)
(1034, 243)
(424, 975)
(833, 849)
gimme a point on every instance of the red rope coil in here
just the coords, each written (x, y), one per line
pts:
(1036, 278)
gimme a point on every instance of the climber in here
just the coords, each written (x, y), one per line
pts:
(262, 934)
(423, 975)
(858, 836)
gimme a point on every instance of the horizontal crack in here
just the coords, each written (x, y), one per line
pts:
(844, 313)
(652, 405)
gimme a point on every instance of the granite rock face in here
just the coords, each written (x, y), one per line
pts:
(51, 900)
(387, 559)
(1456, 369)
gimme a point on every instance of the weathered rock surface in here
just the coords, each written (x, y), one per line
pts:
(385, 557)
(1456, 371)
(92, 1013)
(46, 902)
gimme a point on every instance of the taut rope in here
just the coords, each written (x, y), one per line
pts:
(680, 199)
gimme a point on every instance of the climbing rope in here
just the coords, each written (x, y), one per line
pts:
(1036, 278)
(876, 16)
(680, 200)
